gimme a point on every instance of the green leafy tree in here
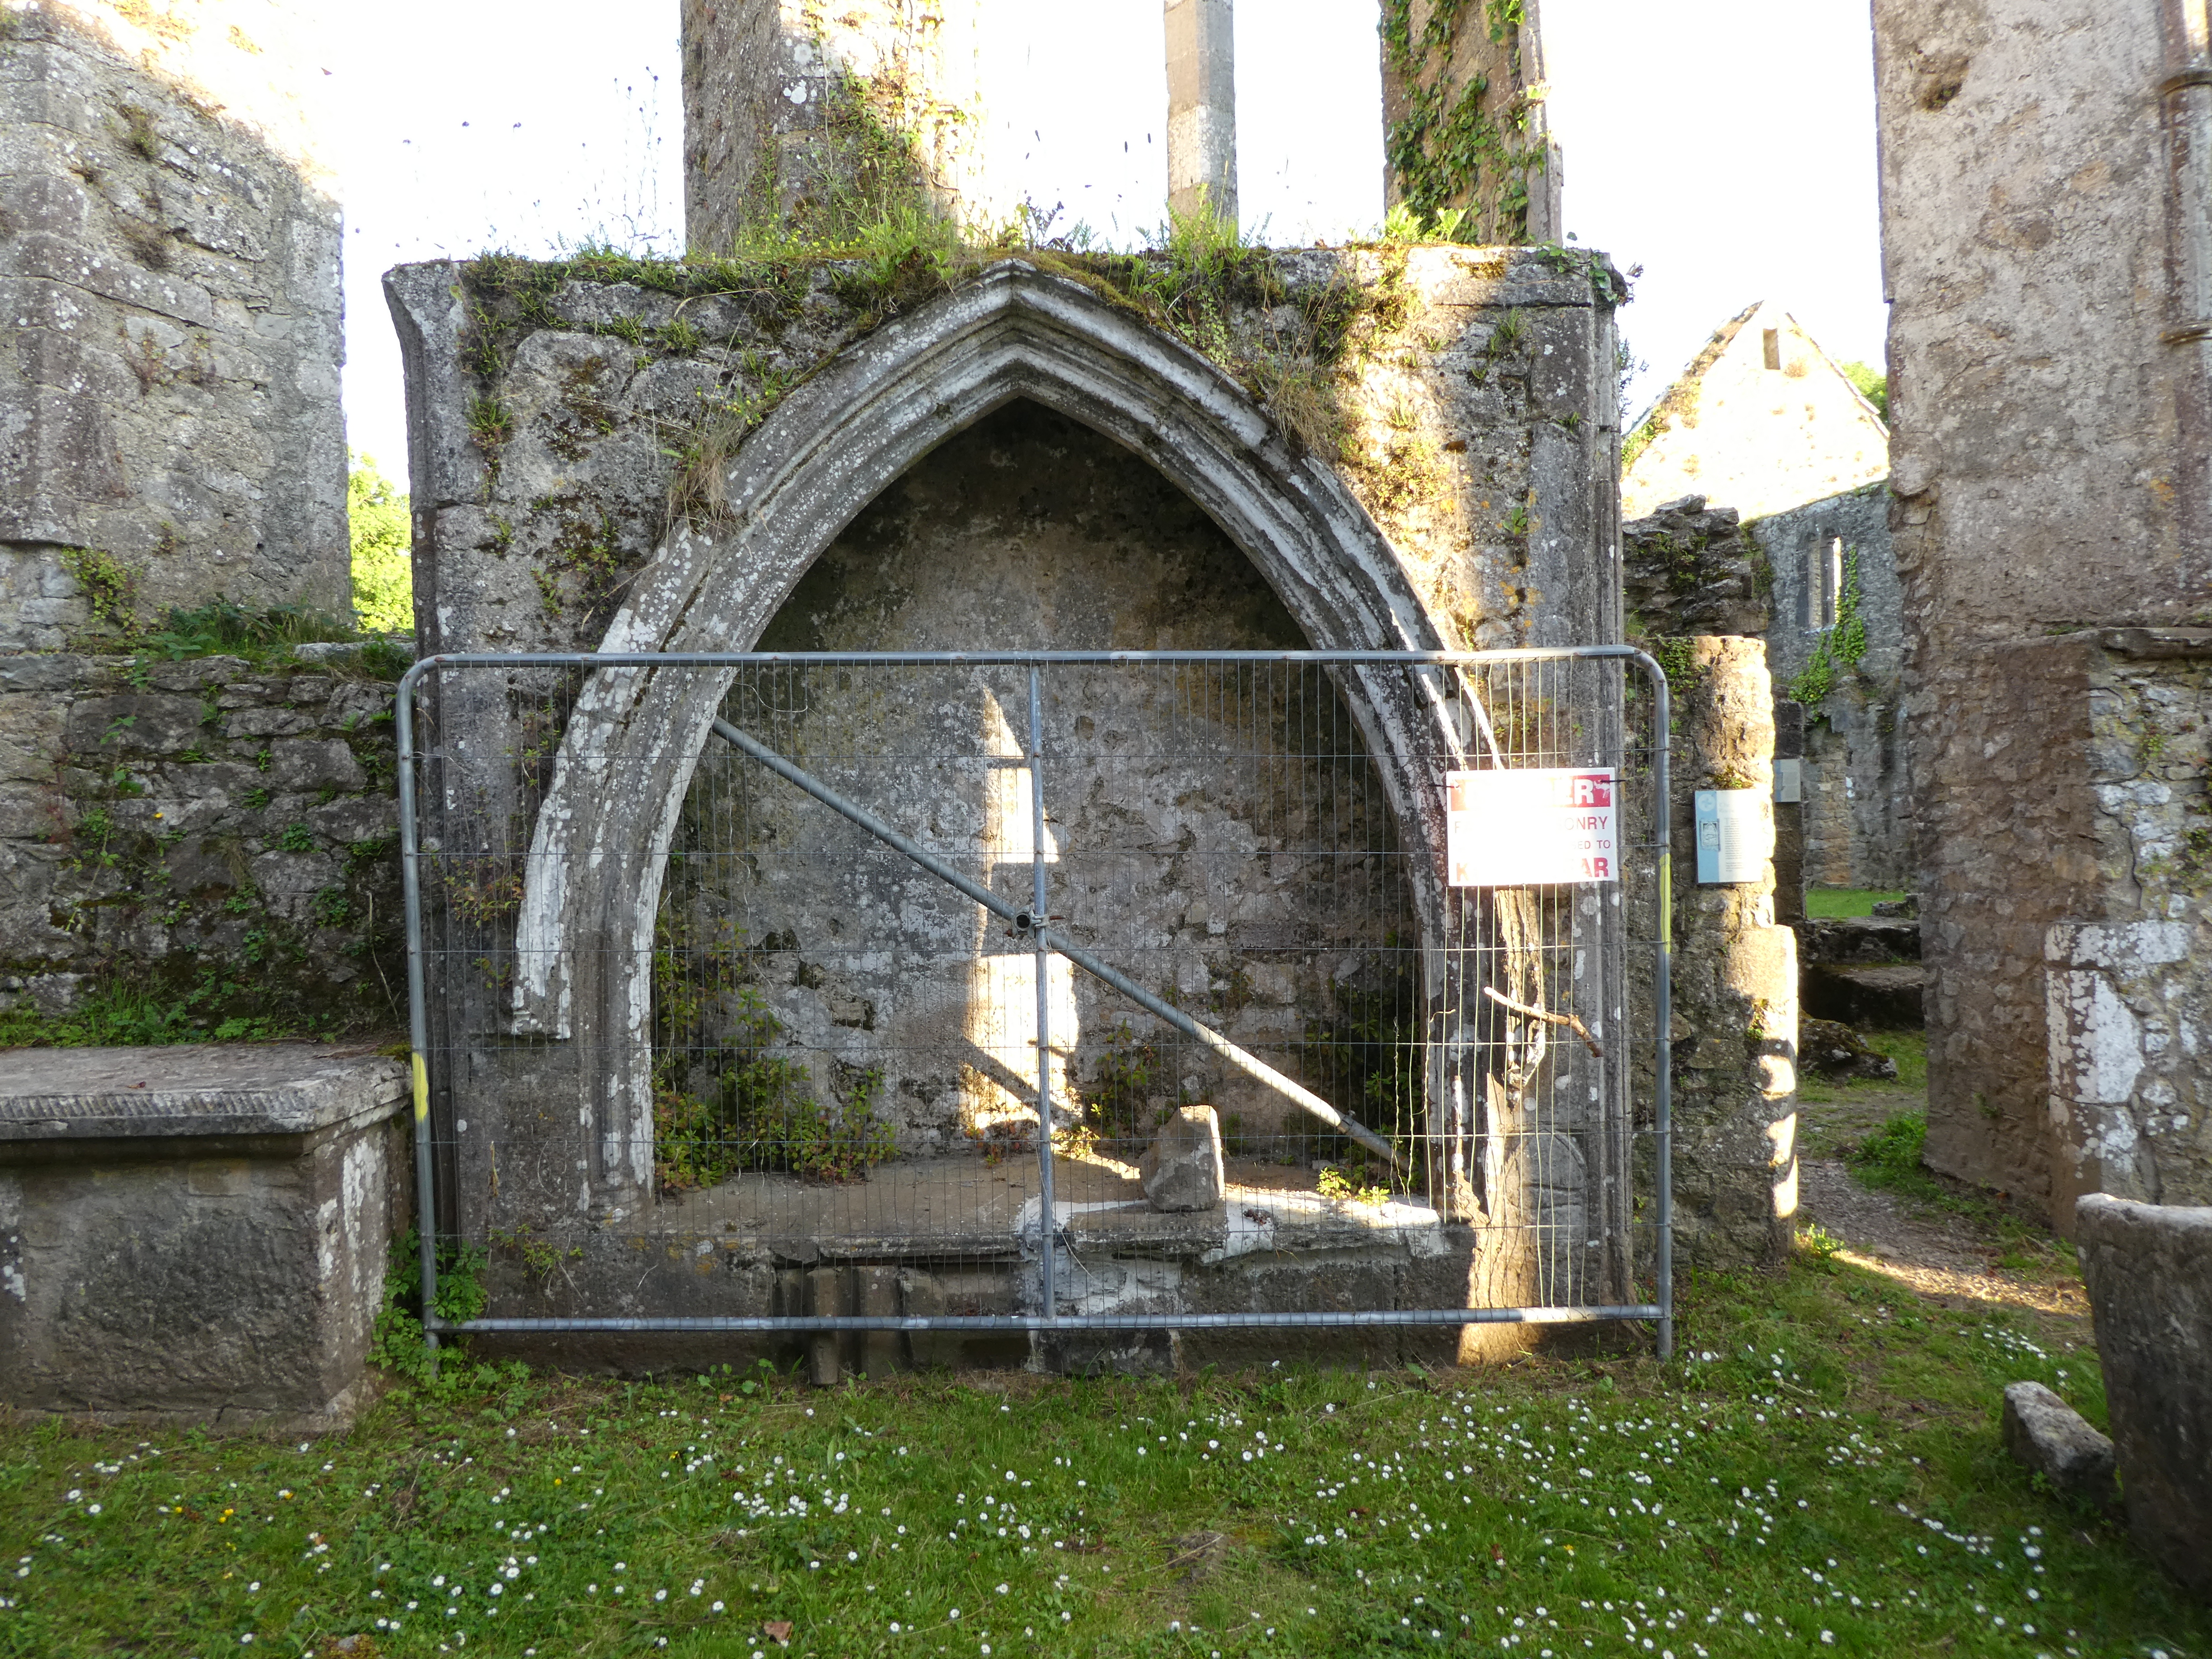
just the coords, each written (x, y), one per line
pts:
(1873, 384)
(383, 574)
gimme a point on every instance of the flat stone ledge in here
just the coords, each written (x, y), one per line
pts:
(2155, 642)
(193, 1090)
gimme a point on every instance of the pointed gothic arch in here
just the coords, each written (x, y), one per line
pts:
(600, 841)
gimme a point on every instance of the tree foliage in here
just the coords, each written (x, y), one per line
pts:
(383, 540)
(1873, 384)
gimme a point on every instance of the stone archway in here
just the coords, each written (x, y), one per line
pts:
(600, 841)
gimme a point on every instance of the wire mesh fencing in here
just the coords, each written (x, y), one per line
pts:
(916, 996)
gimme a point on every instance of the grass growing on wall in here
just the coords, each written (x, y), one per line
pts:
(130, 1016)
(1821, 1474)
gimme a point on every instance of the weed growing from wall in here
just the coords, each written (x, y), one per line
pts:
(396, 1342)
(110, 588)
(727, 1097)
(123, 1014)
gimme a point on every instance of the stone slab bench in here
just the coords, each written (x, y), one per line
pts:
(198, 1233)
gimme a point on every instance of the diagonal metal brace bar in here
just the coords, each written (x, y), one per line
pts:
(1250, 1063)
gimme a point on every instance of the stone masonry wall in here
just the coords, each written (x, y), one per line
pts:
(169, 262)
(1226, 840)
(2071, 843)
(1688, 569)
(789, 104)
(2037, 416)
(2042, 181)
(2129, 999)
(1698, 591)
(1857, 813)
(2009, 846)
(1470, 409)
(1464, 396)
(218, 837)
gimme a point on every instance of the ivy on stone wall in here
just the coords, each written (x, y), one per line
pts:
(1455, 148)
(1845, 643)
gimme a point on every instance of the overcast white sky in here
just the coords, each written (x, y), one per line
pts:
(1728, 150)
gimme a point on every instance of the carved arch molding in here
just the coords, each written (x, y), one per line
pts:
(599, 845)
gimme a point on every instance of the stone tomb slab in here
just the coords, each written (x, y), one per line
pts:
(196, 1234)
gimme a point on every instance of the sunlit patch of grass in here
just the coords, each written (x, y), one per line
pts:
(1825, 901)
(1821, 1470)
(1889, 1159)
(1909, 1051)
(1873, 1097)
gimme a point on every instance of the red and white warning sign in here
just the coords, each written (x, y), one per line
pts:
(1530, 828)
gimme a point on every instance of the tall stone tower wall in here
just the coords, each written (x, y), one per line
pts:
(1463, 118)
(2047, 258)
(170, 429)
(799, 112)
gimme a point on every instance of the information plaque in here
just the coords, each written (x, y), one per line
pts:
(1736, 835)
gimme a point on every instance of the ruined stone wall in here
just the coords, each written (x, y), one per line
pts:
(216, 837)
(792, 106)
(2071, 839)
(1463, 118)
(2130, 999)
(1689, 569)
(2008, 848)
(2041, 180)
(2038, 416)
(572, 424)
(169, 421)
(1223, 836)
(1838, 642)
(1699, 590)
(1761, 421)
(1465, 398)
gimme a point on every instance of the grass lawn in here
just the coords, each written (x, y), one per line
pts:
(1844, 900)
(1822, 1472)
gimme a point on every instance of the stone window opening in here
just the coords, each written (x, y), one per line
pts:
(1773, 344)
(1821, 599)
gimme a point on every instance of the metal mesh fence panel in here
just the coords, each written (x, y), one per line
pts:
(906, 995)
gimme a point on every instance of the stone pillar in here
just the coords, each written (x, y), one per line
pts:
(1735, 980)
(819, 120)
(1202, 108)
(1790, 813)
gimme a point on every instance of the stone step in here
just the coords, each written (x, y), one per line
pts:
(1858, 940)
(1889, 995)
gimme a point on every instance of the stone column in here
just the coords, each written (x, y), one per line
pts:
(1735, 981)
(1463, 120)
(1202, 108)
(1789, 816)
